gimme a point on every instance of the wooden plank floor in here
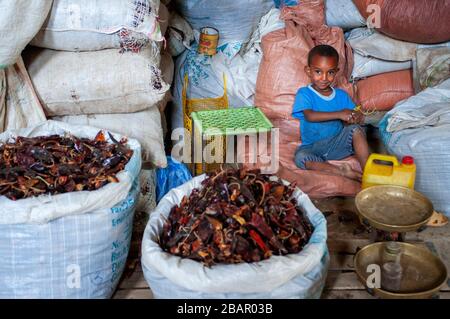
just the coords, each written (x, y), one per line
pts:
(344, 239)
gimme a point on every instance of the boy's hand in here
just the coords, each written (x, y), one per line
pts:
(352, 117)
(357, 117)
(346, 115)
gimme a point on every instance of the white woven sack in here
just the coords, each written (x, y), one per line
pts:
(147, 194)
(343, 14)
(71, 245)
(370, 43)
(365, 66)
(299, 275)
(20, 20)
(19, 105)
(86, 25)
(180, 34)
(106, 81)
(167, 72)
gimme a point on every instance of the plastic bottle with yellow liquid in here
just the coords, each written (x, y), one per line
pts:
(402, 174)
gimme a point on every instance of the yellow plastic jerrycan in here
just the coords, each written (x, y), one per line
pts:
(403, 174)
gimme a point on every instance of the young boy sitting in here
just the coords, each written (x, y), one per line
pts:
(328, 122)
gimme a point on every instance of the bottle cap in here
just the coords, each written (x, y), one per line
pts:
(393, 247)
(408, 160)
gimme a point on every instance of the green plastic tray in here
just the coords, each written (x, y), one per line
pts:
(241, 121)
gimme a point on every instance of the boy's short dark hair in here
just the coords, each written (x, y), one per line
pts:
(323, 50)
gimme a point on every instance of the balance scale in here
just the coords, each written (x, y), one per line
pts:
(391, 211)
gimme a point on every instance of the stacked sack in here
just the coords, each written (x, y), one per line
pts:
(99, 64)
(383, 70)
(406, 55)
(419, 124)
(385, 56)
(410, 20)
(19, 105)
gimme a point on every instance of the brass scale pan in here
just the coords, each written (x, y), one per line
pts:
(400, 209)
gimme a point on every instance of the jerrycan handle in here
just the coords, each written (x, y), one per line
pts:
(382, 157)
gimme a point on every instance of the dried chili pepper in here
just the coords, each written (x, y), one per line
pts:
(31, 166)
(255, 236)
(237, 216)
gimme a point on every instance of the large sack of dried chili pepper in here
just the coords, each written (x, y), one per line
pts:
(68, 245)
(243, 273)
(20, 20)
(85, 25)
(410, 20)
(106, 81)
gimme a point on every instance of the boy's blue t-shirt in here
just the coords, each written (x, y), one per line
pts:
(309, 99)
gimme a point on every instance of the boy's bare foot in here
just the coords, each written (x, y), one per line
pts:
(344, 169)
(347, 171)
